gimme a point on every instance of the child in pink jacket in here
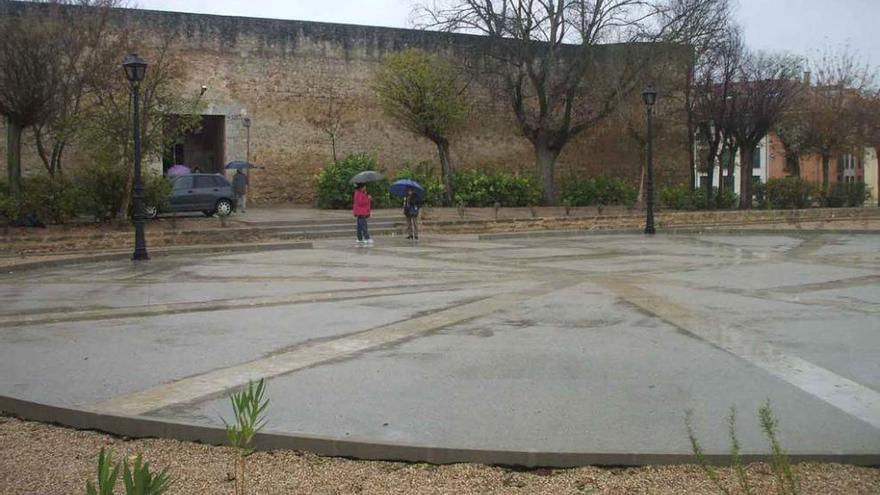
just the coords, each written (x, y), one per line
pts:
(361, 211)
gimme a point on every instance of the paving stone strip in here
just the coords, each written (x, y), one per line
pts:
(210, 383)
(15, 320)
(842, 393)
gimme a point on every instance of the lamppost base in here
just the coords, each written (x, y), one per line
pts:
(650, 230)
(140, 256)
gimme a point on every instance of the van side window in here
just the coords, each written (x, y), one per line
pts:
(183, 183)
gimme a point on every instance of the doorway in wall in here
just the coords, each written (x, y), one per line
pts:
(201, 150)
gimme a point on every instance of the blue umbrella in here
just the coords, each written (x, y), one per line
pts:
(239, 164)
(400, 187)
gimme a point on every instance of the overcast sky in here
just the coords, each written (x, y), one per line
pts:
(802, 27)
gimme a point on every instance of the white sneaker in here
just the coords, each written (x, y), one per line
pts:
(369, 242)
(358, 242)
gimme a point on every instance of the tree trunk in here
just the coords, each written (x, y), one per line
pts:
(826, 159)
(745, 176)
(13, 157)
(793, 164)
(445, 168)
(545, 158)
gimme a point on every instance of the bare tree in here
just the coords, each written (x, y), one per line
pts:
(544, 57)
(764, 90)
(713, 93)
(90, 46)
(31, 72)
(333, 120)
(833, 117)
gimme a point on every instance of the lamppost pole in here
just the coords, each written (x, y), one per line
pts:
(650, 96)
(135, 69)
(247, 126)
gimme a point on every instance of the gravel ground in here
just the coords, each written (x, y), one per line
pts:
(41, 459)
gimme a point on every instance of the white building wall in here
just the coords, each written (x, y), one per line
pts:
(763, 172)
(871, 174)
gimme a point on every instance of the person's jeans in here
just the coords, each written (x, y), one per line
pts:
(362, 233)
(412, 226)
(242, 202)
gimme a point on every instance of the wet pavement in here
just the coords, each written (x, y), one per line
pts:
(567, 344)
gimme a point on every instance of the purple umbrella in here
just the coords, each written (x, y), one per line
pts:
(178, 169)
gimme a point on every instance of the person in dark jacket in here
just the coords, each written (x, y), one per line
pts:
(361, 211)
(411, 205)
(239, 188)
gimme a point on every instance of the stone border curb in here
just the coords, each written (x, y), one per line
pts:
(702, 230)
(144, 427)
(157, 252)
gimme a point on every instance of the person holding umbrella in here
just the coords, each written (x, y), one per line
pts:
(413, 194)
(239, 189)
(411, 204)
(361, 211)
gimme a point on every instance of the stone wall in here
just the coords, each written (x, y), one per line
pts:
(278, 72)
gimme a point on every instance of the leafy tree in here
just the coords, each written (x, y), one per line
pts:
(425, 96)
(543, 59)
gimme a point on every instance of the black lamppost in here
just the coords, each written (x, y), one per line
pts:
(649, 95)
(247, 126)
(135, 69)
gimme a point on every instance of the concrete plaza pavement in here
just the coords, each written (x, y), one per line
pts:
(578, 343)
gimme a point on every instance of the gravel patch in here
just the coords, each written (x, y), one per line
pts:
(36, 458)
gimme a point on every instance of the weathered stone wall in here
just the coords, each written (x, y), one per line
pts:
(277, 73)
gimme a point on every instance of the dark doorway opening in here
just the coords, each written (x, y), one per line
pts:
(202, 150)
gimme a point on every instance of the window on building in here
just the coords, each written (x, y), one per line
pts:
(704, 182)
(756, 157)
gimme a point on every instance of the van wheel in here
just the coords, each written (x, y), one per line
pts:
(224, 207)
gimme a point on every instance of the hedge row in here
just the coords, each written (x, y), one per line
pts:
(472, 188)
(93, 191)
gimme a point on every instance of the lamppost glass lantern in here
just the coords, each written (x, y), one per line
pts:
(135, 68)
(649, 95)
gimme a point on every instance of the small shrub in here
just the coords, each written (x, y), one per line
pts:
(786, 193)
(157, 190)
(249, 408)
(786, 482)
(102, 189)
(137, 479)
(52, 199)
(847, 194)
(682, 198)
(600, 190)
(334, 191)
(476, 188)
(108, 473)
(9, 207)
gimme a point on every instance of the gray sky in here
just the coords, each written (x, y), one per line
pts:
(801, 27)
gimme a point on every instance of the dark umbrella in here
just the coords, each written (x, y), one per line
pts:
(366, 176)
(239, 164)
(400, 187)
